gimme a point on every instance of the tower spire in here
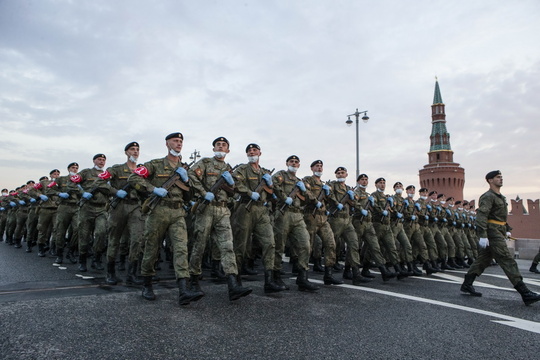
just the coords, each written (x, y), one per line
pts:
(437, 98)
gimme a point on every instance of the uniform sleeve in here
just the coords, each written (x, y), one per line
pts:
(277, 179)
(240, 180)
(196, 173)
(139, 179)
(486, 203)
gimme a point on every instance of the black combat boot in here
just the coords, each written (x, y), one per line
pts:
(99, 264)
(386, 275)
(329, 278)
(111, 274)
(29, 245)
(216, 271)
(347, 273)
(533, 268)
(357, 278)
(436, 266)
(71, 257)
(452, 263)
(278, 280)
(270, 286)
(17, 243)
(428, 268)
(294, 263)
(82, 263)
(59, 256)
(461, 262)
(401, 273)
(246, 270)
(122, 263)
(468, 287)
(411, 266)
(317, 265)
(132, 278)
(337, 267)
(446, 266)
(41, 250)
(194, 285)
(366, 273)
(303, 283)
(147, 290)
(236, 291)
(185, 295)
(527, 295)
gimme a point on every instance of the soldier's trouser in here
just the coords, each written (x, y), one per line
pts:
(3, 223)
(66, 215)
(386, 240)
(92, 220)
(343, 227)
(471, 238)
(46, 225)
(217, 219)
(430, 242)
(442, 248)
(463, 248)
(125, 221)
(253, 226)
(419, 247)
(11, 225)
(20, 228)
(291, 226)
(319, 225)
(497, 250)
(165, 221)
(405, 247)
(31, 225)
(368, 241)
(451, 246)
(536, 259)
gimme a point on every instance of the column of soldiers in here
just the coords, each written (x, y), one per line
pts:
(235, 215)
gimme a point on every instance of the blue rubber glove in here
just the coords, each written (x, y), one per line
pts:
(228, 178)
(340, 206)
(406, 202)
(63, 195)
(183, 174)
(385, 213)
(439, 208)
(436, 219)
(426, 217)
(413, 218)
(326, 189)
(448, 212)
(364, 212)
(288, 200)
(444, 220)
(399, 215)
(268, 179)
(32, 200)
(255, 196)
(22, 202)
(121, 194)
(301, 186)
(2, 209)
(390, 201)
(12, 204)
(351, 194)
(371, 200)
(319, 205)
(464, 216)
(454, 223)
(87, 195)
(43, 197)
(161, 192)
(418, 206)
(209, 196)
(428, 207)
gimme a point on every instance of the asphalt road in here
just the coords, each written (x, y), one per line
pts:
(48, 312)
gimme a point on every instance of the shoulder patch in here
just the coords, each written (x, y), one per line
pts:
(198, 172)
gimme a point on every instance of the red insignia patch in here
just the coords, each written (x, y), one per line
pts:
(75, 178)
(25, 191)
(38, 186)
(198, 172)
(105, 175)
(142, 172)
(51, 184)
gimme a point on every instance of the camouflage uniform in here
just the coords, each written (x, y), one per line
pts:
(47, 214)
(67, 213)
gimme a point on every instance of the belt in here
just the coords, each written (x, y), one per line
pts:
(219, 203)
(315, 212)
(293, 210)
(497, 222)
(172, 204)
(341, 216)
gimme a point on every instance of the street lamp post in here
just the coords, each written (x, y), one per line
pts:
(349, 122)
(194, 155)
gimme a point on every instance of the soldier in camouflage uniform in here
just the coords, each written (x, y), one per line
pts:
(434, 212)
(167, 217)
(21, 215)
(444, 226)
(463, 248)
(11, 217)
(470, 232)
(423, 210)
(4, 204)
(402, 240)
(289, 222)
(493, 230)
(125, 217)
(254, 224)
(317, 221)
(215, 216)
(32, 219)
(47, 211)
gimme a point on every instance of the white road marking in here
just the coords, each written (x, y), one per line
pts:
(527, 325)
(84, 277)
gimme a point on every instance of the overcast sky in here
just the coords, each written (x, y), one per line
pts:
(82, 77)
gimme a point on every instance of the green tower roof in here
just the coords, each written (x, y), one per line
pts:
(437, 98)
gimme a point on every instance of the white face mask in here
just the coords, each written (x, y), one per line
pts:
(362, 186)
(460, 209)
(72, 173)
(317, 173)
(341, 179)
(451, 205)
(399, 191)
(443, 202)
(220, 154)
(4, 194)
(133, 159)
(379, 190)
(253, 159)
(174, 153)
(433, 200)
(410, 195)
(292, 169)
(423, 197)
(98, 168)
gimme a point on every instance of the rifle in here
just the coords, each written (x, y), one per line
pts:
(400, 211)
(151, 202)
(114, 202)
(294, 193)
(92, 190)
(221, 183)
(320, 198)
(344, 200)
(262, 185)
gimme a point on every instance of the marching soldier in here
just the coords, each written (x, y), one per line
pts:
(423, 208)
(47, 211)
(493, 230)
(206, 177)
(32, 219)
(4, 204)
(434, 213)
(403, 243)
(167, 217)
(251, 220)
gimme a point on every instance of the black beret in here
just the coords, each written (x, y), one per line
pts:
(432, 192)
(253, 146)
(440, 196)
(492, 174)
(72, 164)
(379, 180)
(397, 183)
(423, 190)
(316, 162)
(293, 157)
(133, 143)
(174, 136)
(362, 176)
(457, 202)
(98, 156)
(410, 187)
(465, 202)
(221, 138)
(451, 198)
(54, 170)
(30, 182)
(340, 168)
(43, 178)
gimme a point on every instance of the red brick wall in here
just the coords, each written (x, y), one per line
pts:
(525, 225)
